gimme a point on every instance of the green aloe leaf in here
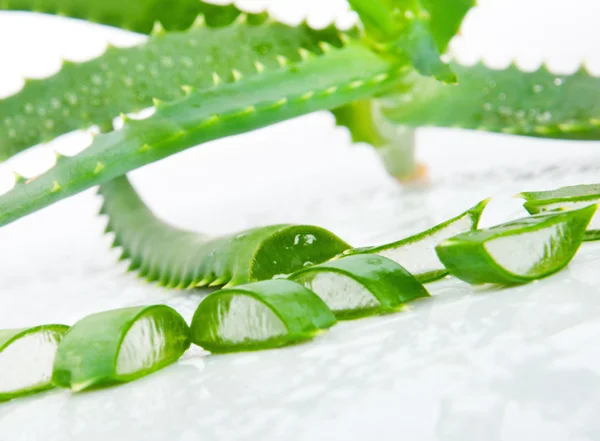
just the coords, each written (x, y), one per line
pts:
(119, 346)
(566, 198)
(421, 29)
(517, 252)
(165, 68)
(26, 358)
(539, 103)
(322, 82)
(417, 253)
(361, 285)
(259, 316)
(134, 15)
(184, 259)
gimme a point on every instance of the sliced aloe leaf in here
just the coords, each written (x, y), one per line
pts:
(26, 358)
(361, 285)
(518, 251)
(417, 253)
(258, 316)
(566, 198)
(119, 346)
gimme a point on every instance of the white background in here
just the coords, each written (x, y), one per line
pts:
(514, 364)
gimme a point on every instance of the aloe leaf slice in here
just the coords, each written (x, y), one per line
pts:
(565, 198)
(519, 251)
(184, 259)
(259, 316)
(417, 253)
(26, 358)
(120, 345)
(361, 285)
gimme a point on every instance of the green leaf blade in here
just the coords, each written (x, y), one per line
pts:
(539, 104)
(329, 81)
(126, 80)
(186, 259)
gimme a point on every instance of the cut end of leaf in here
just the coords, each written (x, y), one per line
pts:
(26, 359)
(259, 316)
(519, 251)
(120, 345)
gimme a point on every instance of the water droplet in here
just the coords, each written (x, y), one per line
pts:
(55, 103)
(558, 81)
(410, 15)
(41, 111)
(505, 111)
(71, 98)
(96, 79)
(307, 264)
(166, 61)
(487, 107)
(12, 133)
(304, 239)
(502, 96)
(128, 81)
(29, 108)
(538, 88)
(49, 124)
(187, 61)
(544, 117)
(492, 84)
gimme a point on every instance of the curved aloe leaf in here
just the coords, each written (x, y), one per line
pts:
(327, 81)
(26, 358)
(166, 67)
(185, 259)
(417, 253)
(510, 101)
(420, 29)
(119, 346)
(258, 316)
(566, 198)
(361, 285)
(134, 15)
(518, 251)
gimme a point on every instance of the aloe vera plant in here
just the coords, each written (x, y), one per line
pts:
(214, 71)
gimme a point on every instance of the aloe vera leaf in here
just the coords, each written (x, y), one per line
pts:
(421, 29)
(361, 285)
(259, 316)
(125, 80)
(517, 252)
(539, 103)
(26, 357)
(327, 81)
(138, 16)
(417, 253)
(185, 259)
(566, 198)
(120, 345)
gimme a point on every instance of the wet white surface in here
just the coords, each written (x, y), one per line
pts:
(469, 364)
